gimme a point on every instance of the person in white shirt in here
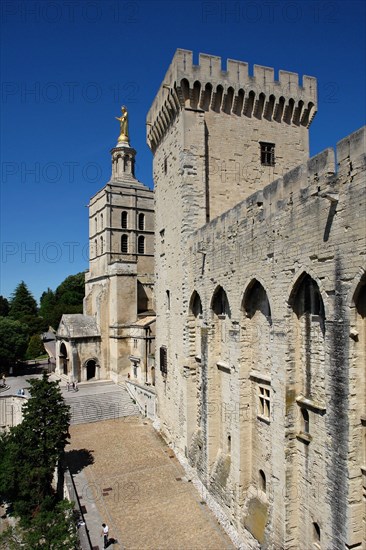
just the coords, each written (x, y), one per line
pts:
(104, 534)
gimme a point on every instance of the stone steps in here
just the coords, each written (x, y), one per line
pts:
(95, 407)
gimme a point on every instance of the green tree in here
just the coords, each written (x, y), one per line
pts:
(31, 451)
(52, 528)
(13, 340)
(36, 325)
(4, 307)
(67, 298)
(22, 303)
(72, 290)
(48, 303)
(35, 347)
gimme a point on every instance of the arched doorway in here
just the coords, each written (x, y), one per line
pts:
(63, 359)
(90, 369)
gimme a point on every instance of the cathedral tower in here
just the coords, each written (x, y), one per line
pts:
(119, 283)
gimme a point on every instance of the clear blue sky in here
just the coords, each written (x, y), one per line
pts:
(67, 67)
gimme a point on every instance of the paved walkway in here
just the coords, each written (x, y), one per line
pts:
(129, 479)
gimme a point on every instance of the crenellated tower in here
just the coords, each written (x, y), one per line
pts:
(218, 136)
(247, 130)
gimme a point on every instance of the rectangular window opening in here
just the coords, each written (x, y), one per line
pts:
(264, 402)
(267, 153)
(163, 360)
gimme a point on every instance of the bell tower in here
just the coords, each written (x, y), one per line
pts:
(119, 283)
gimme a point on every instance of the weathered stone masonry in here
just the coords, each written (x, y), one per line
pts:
(261, 311)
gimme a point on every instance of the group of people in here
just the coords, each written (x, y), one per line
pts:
(72, 386)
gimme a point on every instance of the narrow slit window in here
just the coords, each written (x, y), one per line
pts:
(163, 360)
(141, 222)
(124, 244)
(305, 421)
(141, 245)
(262, 481)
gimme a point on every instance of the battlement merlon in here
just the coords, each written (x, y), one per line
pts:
(199, 86)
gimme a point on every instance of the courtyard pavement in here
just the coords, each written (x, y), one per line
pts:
(130, 479)
(126, 476)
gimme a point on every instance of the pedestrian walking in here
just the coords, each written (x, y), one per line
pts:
(73, 386)
(68, 385)
(76, 386)
(105, 532)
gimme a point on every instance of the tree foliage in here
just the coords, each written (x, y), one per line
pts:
(67, 298)
(13, 340)
(47, 305)
(30, 452)
(53, 528)
(35, 347)
(23, 314)
(4, 307)
(29, 455)
(71, 291)
(22, 303)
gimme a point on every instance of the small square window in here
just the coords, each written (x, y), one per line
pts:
(267, 153)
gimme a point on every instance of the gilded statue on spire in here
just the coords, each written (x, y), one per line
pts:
(123, 121)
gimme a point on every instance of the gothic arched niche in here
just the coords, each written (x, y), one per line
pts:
(360, 298)
(255, 299)
(256, 388)
(63, 358)
(306, 403)
(357, 377)
(195, 317)
(219, 303)
(309, 324)
(196, 383)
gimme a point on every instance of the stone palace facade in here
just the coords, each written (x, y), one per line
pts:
(260, 286)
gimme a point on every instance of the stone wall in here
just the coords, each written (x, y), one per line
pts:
(285, 260)
(11, 413)
(289, 260)
(260, 297)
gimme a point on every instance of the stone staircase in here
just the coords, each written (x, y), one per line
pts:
(99, 401)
